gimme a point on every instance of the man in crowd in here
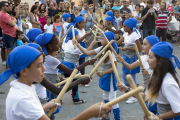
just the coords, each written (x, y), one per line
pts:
(86, 6)
(124, 10)
(51, 9)
(149, 16)
(59, 10)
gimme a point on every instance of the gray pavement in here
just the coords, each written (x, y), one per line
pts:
(93, 95)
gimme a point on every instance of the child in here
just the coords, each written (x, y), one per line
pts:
(27, 63)
(116, 6)
(107, 81)
(48, 27)
(126, 17)
(148, 42)
(67, 20)
(163, 86)
(130, 37)
(118, 19)
(20, 36)
(57, 25)
(32, 34)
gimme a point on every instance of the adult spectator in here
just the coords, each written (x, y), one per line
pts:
(10, 8)
(162, 22)
(42, 19)
(124, 10)
(36, 3)
(86, 6)
(107, 8)
(75, 14)
(34, 18)
(58, 11)
(51, 9)
(67, 6)
(143, 3)
(42, 7)
(7, 24)
(156, 5)
(149, 16)
(129, 6)
(136, 13)
(100, 3)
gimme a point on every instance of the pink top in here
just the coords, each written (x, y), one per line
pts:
(43, 22)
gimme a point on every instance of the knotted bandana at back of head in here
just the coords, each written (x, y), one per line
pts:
(65, 16)
(110, 19)
(70, 35)
(43, 40)
(165, 50)
(111, 36)
(33, 33)
(110, 13)
(152, 39)
(131, 23)
(19, 58)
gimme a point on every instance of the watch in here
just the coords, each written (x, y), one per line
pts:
(128, 89)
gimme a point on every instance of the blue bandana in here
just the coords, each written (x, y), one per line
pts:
(19, 58)
(131, 23)
(34, 45)
(110, 13)
(165, 50)
(152, 39)
(33, 33)
(78, 19)
(110, 19)
(43, 40)
(70, 35)
(111, 36)
(65, 16)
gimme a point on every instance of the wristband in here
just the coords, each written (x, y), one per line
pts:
(102, 73)
(128, 89)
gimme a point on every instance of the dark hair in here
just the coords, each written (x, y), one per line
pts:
(165, 4)
(101, 21)
(150, 2)
(51, 41)
(36, 2)
(115, 11)
(56, 17)
(34, 7)
(9, 3)
(48, 17)
(164, 66)
(85, 2)
(137, 5)
(41, 6)
(2, 3)
(18, 32)
(13, 13)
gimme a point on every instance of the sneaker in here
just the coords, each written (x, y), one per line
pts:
(4, 63)
(86, 85)
(131, 100)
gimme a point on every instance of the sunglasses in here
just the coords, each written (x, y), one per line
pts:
(6, 5)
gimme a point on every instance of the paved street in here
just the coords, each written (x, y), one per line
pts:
(93, 95)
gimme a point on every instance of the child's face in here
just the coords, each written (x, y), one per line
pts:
(82, 24)
(116, 14)
(36, 71)
(103, 42)
(126, 29)
(48, 21)
(152, 61)
(126, 16)
(20, 37)
(146, 46)
(58, 20)
(68, 19)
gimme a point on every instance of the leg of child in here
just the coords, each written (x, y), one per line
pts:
(125, 80)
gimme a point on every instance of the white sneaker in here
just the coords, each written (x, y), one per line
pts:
(86, 85)
(131, 100)
(4, 63)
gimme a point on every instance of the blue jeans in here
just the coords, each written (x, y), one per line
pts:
(9, 41)
(147, 32)
(125, 80)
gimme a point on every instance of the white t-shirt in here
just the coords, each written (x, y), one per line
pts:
(111, 28)
(69, 48)
(51, 64)
(40, 90)
(97, 50)
(65, 24)
(145, 63)
(122, 29)
(118, 20)
(48, 28)
(170, 93)
(22, 102)
(81, 33)
(130, 39)
(131, 8)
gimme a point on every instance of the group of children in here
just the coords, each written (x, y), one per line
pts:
(36, 71)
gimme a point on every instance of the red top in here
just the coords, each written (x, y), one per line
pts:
(43, 22)
(162, 19)
(8, 30)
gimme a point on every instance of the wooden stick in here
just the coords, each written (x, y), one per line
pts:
(137, 52)
(120, 48)
(103, 49)
(95, 34)
(92, 31)
(138, 96)
(59, 97)
(73, 36)
(124, 96)
(99, 63)
(67, 32)
(92, 18)
(114, 68)
(107, 41)
(89, 38)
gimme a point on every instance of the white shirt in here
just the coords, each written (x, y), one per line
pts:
(130, 39)
(131, 8)
(65, 24)
(145, 63)
(143, 4)
(97, 50)
(170, 93)
(111, 28)
(81, 33)
(51, 64)
(118, 20)
(122, 29)
(48, 28)
(40, 90)
(69, 48)
(22, 103)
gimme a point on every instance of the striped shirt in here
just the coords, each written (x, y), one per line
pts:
(162, 19)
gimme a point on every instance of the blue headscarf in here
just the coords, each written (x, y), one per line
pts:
(131, 23)
(165, 50)
(110, 19)
(19, 58)
(34, 45)
(70, 35)
(110, 13)
(33, 33)
(65, 16)
(152, 39)
(78, 19)
(44, 39)
(111, 36)
(70, 25)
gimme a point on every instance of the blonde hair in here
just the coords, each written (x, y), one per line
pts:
(64, 6)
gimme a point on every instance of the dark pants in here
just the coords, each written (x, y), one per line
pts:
(147, 32)
(81, 61)
(161, 33)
